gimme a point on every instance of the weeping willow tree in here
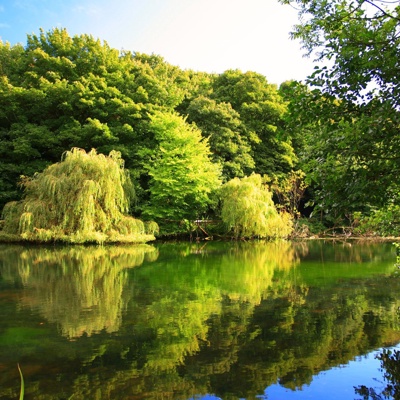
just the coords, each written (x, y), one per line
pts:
(83, 198)
(249, 211)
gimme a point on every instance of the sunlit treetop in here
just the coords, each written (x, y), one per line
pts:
(356, 42)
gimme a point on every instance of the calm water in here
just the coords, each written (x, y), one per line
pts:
(197, 321)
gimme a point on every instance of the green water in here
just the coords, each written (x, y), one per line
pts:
(197, 321)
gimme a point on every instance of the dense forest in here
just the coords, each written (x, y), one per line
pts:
(302, 158)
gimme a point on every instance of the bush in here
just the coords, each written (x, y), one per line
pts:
(381, 222)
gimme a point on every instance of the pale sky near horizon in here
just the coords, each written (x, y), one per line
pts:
(203, 35)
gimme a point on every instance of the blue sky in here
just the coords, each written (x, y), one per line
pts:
(204, 35)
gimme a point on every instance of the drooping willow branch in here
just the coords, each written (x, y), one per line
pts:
(83, 198)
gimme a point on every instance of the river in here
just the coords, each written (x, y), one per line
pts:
(209, 320)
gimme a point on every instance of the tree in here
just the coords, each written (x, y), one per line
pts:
(350, 108)
(182, 176)
(360, 41)
(60, 92)
(261, 110)
(222, 125)
(390, 365)
(83, 198)
(339, 154)
(248, 210)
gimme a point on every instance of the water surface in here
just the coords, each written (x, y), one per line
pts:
(197, 321)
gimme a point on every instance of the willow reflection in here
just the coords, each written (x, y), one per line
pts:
(81, 289)
(199, 280)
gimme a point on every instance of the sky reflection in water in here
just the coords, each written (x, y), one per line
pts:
(336, 383)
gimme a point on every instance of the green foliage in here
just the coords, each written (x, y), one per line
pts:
(348, 113)
(151, 228)
(289, 190)
(242, 115)
(182, 176)
(248, 210)
(308, 227)
(360, 40)
(261, 109)
(346, 153)
(60, 92)
(380, 222)
(81, 199)
(222, 125)
(397, 246)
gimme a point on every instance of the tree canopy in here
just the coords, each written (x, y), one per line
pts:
(261, 108)
(83, 198)
(348, 111)
(359, 43)
(223, 127)
(248, 209)
(181, 133)
(182, 176)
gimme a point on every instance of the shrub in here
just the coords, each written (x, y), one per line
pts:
(381, 222)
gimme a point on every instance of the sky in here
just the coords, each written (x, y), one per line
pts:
(202, 35)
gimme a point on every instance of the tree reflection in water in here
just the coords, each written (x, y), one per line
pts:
(226, 318)
(81, 289)
(390, 363)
